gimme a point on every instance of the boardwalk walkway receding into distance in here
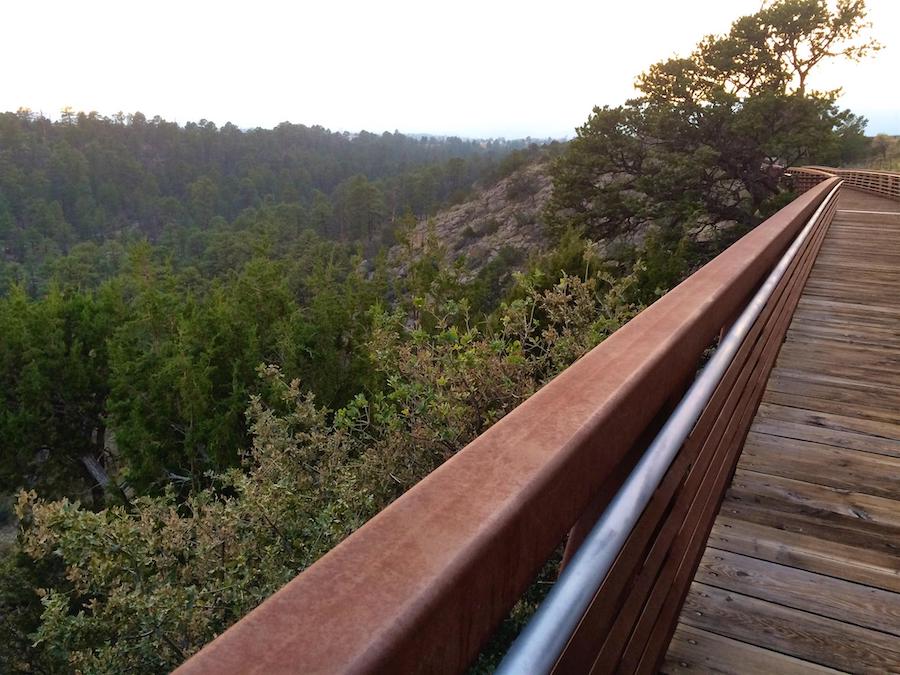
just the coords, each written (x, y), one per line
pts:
(802, 569)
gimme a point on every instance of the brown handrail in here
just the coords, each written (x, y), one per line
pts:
(881, 183)
(421, 587)
(629, 621)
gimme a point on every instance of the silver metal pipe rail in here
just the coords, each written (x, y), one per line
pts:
(539, 646)
(424, 584)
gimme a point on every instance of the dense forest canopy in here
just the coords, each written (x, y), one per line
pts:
(149, 269)
(87, 181)
(220, 354)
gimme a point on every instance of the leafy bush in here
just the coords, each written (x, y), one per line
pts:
(148, 583)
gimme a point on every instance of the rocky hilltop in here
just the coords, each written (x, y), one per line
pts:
(506, 215)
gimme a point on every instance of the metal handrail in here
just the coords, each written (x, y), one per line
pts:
(422, 585)
(543, 640)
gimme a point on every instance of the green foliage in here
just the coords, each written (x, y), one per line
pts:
(360, 208)
(21, 609)
(522, 187)
(853, 143)
(488, 227)
(90, 179)
(149, 372)
(493, 281)
(707, 133)
(147, 585)
(54, 379)
(153, 268)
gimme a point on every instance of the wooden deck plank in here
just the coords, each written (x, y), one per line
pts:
(798, 589)
(831, 306)
(842, 469)
(806, 552)
(802, 566)
(846, 313)
(860, 327)
(863, 354)
(693, 651)
(863, 540)
(877, 428)
(871, 410)
(815, 376)
(826, 436)
(862, 357)
(826, 501)
(804, 385)
(803, 635)
(859, 200)
(863, 326)
(879, 291)
(815, 363)
(836, 329)
(813, 334)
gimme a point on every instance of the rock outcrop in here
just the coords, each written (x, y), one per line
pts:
(505, 215)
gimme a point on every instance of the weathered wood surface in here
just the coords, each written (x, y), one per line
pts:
(801, 572)
(857, 200)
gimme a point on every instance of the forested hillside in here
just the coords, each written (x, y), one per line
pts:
(149, 268)
(223, 350)
(88, 181)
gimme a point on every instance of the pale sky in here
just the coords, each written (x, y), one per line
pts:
(470, 68)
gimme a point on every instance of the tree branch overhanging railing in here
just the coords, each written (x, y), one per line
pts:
(422, 586)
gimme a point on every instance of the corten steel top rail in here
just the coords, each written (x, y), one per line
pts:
(544, 639)
(422, 586)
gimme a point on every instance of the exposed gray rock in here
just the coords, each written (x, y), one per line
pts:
(507, 214)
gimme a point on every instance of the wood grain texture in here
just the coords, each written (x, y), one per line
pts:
(693, 651)
(803, 635)
(863, 472)
(801, 571)
(862, 605)
(807, 552)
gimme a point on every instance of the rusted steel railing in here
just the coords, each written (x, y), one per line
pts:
(881, 183)
(422, 586)
(660, 518)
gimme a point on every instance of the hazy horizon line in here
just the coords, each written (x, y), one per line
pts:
(472, 136)
(887, 121)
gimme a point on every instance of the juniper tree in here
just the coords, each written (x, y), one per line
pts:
(702, 137)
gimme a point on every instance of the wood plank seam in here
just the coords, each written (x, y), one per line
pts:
(815, 495)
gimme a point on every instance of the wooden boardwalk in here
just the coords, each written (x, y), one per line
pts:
(801, 573)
